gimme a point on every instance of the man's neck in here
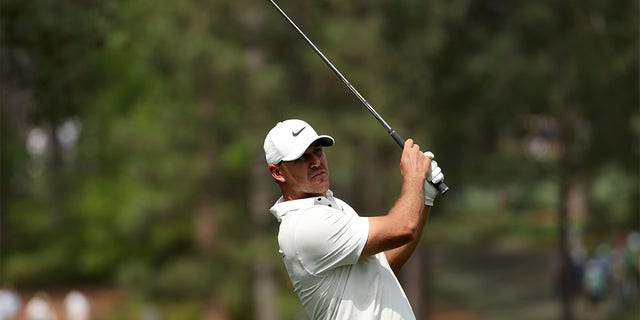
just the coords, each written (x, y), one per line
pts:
(293, 196)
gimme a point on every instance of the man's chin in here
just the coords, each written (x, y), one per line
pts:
(320, 190)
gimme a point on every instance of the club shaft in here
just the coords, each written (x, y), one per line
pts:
(396, 137)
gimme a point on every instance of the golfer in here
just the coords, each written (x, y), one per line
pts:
(342, 265)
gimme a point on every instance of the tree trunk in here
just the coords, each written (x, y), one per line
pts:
(264, 283)
(264, 292)
(565, 258)
(412, 281)
(204, 219)
(571, 203)
(55, 176)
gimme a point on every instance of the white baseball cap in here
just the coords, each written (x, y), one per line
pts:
(289, 139)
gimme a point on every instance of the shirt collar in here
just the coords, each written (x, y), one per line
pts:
(282, 208)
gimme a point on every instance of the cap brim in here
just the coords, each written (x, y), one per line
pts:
(325, 141)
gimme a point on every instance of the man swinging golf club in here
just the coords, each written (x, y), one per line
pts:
(342, 265)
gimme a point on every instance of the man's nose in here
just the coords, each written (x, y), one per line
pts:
(316, 161)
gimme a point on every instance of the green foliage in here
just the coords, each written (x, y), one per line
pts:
(174, 100)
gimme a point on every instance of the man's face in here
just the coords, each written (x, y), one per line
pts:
(306, 176)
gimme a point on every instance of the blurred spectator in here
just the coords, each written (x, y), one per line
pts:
(38, 308)
(579, 256)
(633, 261)
(622, 270)
(9, 304)
(77, 306)
(603, 256)
(595, 282)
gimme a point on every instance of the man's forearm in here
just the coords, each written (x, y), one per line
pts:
(401, 225)
(398, 257)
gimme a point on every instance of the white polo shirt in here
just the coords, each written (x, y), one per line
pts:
(321, 240)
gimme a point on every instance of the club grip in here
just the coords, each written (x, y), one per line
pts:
(397, 138)
(441, 186)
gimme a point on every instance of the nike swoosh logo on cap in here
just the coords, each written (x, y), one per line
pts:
(295, 134)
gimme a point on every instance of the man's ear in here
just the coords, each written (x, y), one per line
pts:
(276, 173)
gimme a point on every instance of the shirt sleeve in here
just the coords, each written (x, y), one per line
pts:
(326, 238)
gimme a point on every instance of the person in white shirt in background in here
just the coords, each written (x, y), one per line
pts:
(39, 308)
(77, 306)
(9, 304)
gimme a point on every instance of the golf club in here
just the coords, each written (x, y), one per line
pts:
(441, 186)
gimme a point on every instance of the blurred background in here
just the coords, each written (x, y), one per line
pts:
(134, 186)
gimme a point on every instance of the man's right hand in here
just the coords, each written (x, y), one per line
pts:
(413, 163)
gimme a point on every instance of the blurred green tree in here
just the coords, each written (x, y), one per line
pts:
(132, 131)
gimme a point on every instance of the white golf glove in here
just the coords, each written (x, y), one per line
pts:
(435, 176)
